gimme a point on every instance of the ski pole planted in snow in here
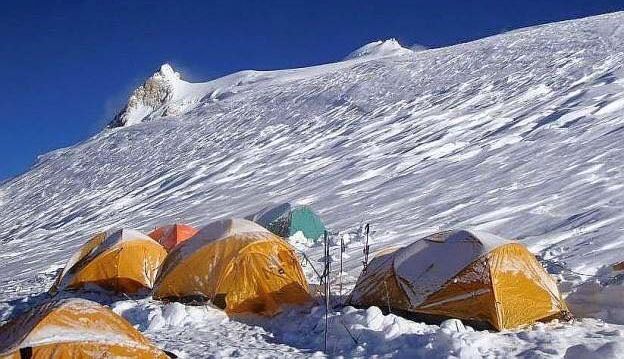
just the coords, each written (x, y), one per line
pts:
(327, 290)
(366, 246)
(342, 249)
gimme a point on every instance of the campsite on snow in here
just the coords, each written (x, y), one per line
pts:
(457, 202)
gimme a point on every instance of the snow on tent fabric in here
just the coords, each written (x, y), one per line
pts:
(287, 219)
(474, 276)
(171, 235)
(619, 266)
(73, 328)
(237, 265)
(125, 261)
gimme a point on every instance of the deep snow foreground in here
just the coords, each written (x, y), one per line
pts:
(519, 134)
(357, 332)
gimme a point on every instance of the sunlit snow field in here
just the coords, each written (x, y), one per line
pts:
(518, 134)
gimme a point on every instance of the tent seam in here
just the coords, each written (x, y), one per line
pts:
(499, 319)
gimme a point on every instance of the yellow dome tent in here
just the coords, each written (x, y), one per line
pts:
(236, 264)
(470, 275)
(73, 328)
(125, 261)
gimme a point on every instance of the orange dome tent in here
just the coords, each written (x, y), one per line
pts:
(125, 261)
(237, 265)
(73, 328)
(171, 235)
(470, 275)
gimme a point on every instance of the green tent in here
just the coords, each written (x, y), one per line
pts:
(287, 219)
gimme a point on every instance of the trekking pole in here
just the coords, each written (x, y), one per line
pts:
(341, 251)
(366, 247)
(326, 240)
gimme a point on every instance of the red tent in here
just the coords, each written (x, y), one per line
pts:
(171, 235)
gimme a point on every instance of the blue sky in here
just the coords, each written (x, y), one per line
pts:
(67, 66)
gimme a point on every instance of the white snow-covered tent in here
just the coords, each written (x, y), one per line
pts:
(469, 275)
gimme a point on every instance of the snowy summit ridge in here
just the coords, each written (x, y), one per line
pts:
(379, 48)
(150, 98)
(166, 94)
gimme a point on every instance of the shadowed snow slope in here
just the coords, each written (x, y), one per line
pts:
(518, 134)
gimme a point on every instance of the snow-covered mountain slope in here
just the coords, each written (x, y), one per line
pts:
(519, 134)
